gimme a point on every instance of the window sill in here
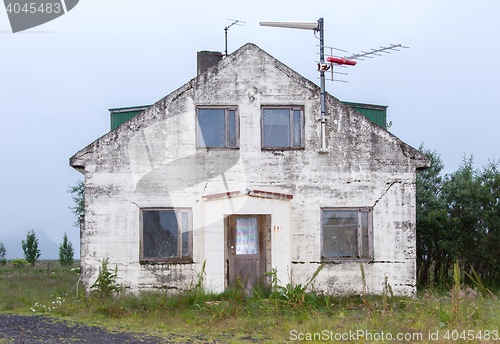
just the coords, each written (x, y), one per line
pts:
(346, 260)
(281, 148)
(217, 148)
(165, 261)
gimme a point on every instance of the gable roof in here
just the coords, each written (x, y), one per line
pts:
(162, 109)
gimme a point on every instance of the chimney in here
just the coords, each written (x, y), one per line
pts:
(207, 59)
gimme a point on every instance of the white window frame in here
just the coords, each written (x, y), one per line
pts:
(291, 144)
(178, 214)
(359, 235)
(227, 141)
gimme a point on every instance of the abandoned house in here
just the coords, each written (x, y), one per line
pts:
(230, 170)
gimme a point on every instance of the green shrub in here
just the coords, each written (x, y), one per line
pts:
(19, 263)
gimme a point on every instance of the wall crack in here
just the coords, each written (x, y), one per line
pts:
(387, 190)
(137, 205)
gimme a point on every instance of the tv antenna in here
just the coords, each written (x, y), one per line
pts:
(234, 22)
(322, 66)
(349, 60)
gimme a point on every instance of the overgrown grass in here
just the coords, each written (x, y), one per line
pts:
(269, 314)
(22, 287)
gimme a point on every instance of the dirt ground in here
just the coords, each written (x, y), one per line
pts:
(43, 329)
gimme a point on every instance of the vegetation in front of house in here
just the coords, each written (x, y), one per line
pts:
(272, 313)
(106, 285)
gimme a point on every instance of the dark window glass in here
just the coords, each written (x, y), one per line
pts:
(160, 234)
(340, 233)
(232, 128)
(276, 127)
(364, 233)
(185, 234)
(212, 127)
(296, 127)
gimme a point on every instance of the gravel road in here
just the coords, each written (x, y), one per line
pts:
(44, 329)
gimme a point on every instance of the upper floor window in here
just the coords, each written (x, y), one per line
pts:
(282, 127)
(347, 233)
(166, 234)
(218, 127)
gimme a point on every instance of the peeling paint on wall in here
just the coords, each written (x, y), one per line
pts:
(152, 161)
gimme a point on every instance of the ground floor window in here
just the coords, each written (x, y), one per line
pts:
(166, 234)
(346, 233)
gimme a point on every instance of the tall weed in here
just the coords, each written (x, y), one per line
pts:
(292, 295)
(105, 285)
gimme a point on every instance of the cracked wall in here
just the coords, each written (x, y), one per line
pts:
(152, 161)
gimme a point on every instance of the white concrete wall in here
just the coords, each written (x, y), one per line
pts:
(152, 161)
(217, 210)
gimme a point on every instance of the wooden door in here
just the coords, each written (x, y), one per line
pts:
(247, 258)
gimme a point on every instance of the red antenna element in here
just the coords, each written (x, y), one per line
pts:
(341, 61)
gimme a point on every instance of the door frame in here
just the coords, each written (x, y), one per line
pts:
(264, 228)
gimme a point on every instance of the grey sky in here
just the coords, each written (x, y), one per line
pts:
(59, 79)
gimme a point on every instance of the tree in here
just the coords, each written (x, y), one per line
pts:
(78, 196)
(473, 198)
(30, 248)
(3, 251)
(458, 219)
(66, 252)
(489, 179)
(434, 239)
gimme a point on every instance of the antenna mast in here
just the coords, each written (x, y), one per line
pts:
(234, 22)
(323, 67)
(321, 30)
(316, 26)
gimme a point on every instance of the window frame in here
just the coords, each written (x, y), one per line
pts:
(179, 259)
(359, 235)
(292, 109)
(227, 109)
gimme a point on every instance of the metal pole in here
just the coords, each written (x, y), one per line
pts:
(225, 34)
(321, 30)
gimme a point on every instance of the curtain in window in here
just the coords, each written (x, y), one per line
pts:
(247, 235)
